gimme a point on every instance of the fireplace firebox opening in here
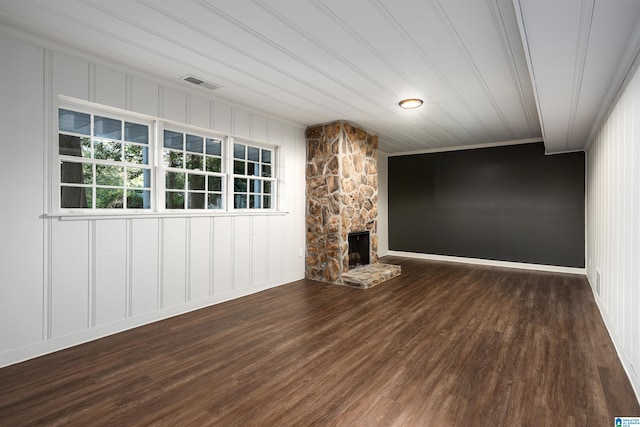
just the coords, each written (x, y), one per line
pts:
(359, 249)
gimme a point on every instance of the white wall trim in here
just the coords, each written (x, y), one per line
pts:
(489, 262)
(553, 153)
(63, 216)
(468, 147)
(21, 354)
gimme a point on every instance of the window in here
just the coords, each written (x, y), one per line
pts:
(193, 171)
(253, 182)
(119, 161)
(104, 162)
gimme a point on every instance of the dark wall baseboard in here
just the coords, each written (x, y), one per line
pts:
(509, 203)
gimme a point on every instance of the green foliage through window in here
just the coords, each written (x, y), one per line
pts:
(106, 162)
(193, 164)
(253, 179)
(99, 169)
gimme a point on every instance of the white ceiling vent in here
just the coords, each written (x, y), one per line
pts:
(199, 82)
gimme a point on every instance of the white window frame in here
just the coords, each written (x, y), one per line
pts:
(163, 169)
(158, 170)
(59, 158)
(232, 175)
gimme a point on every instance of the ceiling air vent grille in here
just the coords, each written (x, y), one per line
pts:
(199, 82)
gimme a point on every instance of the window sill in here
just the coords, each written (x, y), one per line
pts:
(71, 216)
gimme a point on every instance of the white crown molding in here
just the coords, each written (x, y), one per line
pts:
(468, 147)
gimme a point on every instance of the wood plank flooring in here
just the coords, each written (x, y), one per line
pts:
(442, 345)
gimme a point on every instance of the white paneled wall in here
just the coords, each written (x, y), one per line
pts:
(144, 267)
(67, 281)
(21, 229)
(383, 203)
(613, 225)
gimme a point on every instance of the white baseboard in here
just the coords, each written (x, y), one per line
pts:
(633, 376)
(42, 348)
(490, 262)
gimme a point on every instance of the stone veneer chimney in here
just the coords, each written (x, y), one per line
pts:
(342, 196)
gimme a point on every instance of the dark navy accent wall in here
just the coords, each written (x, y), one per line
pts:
(508, 203)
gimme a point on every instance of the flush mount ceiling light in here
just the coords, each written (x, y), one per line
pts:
(410, 103)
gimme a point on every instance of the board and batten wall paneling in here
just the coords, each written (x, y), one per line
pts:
(275, 256)
(80, 279)
(199, 111)
(144, 246)
(241, 252)
(259, 242)
(173, 104)
(634, 211)
(222, 255)
(143, 97)
(613, 229)
(221, 117)
(241, 123)
(293, 167)
(174, 261)
(71, 77)
(259, 128)
(105, 82)
(22, 269)
(70, 301)
(383, 213)
(199, 256)
(110, 278)
(274, 135)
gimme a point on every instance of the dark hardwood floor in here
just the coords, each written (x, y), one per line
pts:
(442, 345)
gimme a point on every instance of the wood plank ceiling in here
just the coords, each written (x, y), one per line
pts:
(314, 61)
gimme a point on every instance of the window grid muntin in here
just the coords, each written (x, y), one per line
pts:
(253, 167)
(88, 157)
(194, 163)
(132, 149)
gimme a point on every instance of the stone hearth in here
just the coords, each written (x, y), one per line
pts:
(370, 275)
(342, 197)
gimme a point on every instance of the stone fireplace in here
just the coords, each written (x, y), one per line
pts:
(342, 197)
(359, 249)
